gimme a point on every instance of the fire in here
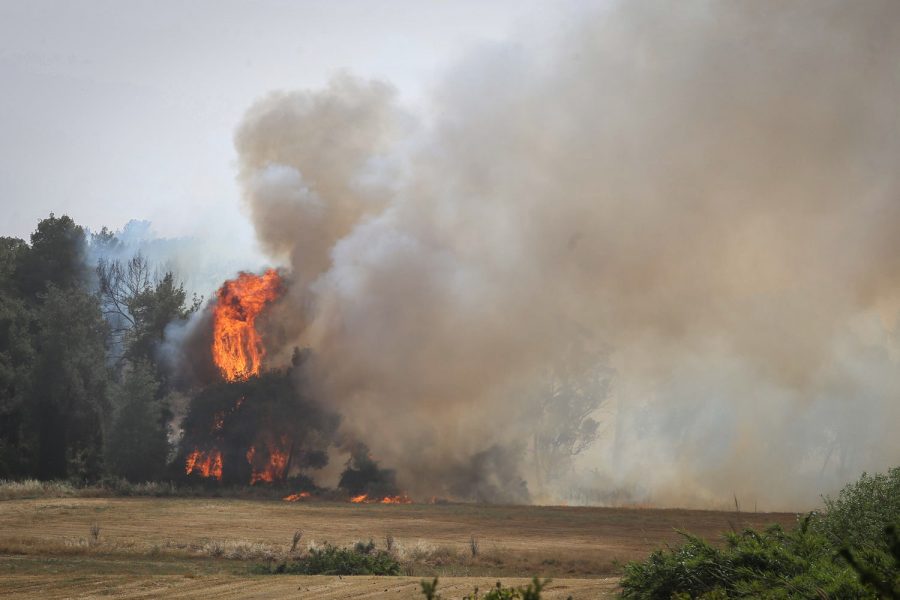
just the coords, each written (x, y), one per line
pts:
(205, 464)
(296, 497)
(365, 499)
(218, 421)
(274, 470)
(237, 348)
(402, 499)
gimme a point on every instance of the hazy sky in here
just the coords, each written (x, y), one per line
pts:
(114, 110)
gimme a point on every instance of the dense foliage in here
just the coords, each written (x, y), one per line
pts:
(82, 394)
(850, 551)
(857, 516)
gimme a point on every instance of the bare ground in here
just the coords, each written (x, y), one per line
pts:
(191, 548)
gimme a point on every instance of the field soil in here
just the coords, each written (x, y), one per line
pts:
(194, 548)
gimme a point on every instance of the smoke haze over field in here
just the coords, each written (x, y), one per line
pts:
(705, 195)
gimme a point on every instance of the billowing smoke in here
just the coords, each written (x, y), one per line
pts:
(698, 201)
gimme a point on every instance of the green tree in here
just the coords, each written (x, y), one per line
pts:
(56, 257)
(68, 393)
(139, 305)
(16, 357)
(137, 445)
(153, 309)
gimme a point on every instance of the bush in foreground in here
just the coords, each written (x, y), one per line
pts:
(851, 551)
(856, 518)
(769, 564)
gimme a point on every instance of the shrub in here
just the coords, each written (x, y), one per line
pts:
(877, 576)
(848, 552)
(857, 517)
(773, 563)
(364, 547)
(332, 560)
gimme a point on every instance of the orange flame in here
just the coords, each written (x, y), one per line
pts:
(402, 499)
(274, 470)
(205, 464)
(296, 497)
(237, 348)
(365, 499)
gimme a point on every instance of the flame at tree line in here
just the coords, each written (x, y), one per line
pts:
(253, 425)
(205, 464)
(238, 351)
(237, 347)
(276, 468)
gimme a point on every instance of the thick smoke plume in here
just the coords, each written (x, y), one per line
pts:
(701, 196)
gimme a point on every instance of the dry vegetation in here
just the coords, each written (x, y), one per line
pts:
(63, 546)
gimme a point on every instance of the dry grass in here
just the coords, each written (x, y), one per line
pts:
(223, 537)
(228, 587)
(32, 488)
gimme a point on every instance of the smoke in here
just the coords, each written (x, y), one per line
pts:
(706, 193)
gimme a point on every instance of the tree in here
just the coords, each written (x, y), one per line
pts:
(137, 445)
(564, 403)
(16, 357)
(275, 411)
(139, 304)
(68, 393)
(56, 257)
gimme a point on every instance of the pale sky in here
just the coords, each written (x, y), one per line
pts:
(114, 110)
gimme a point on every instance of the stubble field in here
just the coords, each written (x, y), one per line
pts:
(207, 547)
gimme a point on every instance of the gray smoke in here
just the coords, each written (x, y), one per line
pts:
(707, 193)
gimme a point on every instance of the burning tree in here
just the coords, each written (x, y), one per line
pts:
(253, 425)
(256, 430)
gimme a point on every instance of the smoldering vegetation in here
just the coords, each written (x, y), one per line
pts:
(249, 421)
(699, 200)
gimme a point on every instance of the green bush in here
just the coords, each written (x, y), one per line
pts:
(851, 551)
(879, 575)
(332, 560)
(769, 564)
(859, 514)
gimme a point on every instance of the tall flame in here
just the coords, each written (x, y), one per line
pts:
(237, 348)
(274, 469)
(204, 464)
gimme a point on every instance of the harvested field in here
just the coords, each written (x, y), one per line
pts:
(173, 547)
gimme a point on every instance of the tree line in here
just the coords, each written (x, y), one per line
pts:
(83, 391)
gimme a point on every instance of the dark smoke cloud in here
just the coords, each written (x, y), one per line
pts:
(709, 190)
